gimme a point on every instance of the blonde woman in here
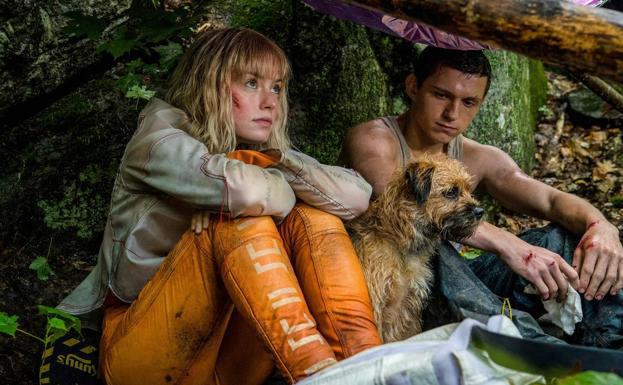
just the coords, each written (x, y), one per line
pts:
(268, 281)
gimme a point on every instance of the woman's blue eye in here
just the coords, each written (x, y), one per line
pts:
(276, 89)
(252, 83)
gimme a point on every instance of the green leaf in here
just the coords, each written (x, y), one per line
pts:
(80, 24)
(69, 321)
(120, 44)
(470, 252)
(57, 323)
(128, 81)
(591, 378)
(136, 92)
(168, 54)
(135, 65)
(42, 267)
(8, 324)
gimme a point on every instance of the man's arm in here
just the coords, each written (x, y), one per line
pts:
(599, 256)
(373, 150)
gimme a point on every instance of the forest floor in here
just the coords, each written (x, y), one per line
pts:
(579, 158)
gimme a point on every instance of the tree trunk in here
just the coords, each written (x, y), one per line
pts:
(554, 31)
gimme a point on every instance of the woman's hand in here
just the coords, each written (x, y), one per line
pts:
(200, 221)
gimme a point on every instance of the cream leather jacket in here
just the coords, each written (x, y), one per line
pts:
(165, 175)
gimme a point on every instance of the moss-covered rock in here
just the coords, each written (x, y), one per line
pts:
(36, 55)
(508, 117)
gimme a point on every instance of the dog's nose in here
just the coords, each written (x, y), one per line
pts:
(478, 212)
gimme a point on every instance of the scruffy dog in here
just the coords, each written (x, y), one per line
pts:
(424, 202)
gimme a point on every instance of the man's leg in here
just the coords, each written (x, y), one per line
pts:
(465, 294)
(332, 280)
(602, 323)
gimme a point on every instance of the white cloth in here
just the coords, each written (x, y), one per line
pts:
(442, 356)
(564, 314)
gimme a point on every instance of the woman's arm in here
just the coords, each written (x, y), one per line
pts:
(336, 190)
(176, 164)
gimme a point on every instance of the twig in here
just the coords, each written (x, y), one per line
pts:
(602, 89)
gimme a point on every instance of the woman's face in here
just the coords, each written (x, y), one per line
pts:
(255, 104)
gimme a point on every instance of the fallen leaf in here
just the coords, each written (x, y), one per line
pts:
(566, 152)
(579, 148)
(597, 137)
(606, 184)
(603, 168)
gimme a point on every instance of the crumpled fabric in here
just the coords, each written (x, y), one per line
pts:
(441, 356)
(562, 314)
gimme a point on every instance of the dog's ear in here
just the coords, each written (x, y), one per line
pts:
(420, 180)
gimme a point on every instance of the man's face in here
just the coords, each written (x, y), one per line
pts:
(445, 104)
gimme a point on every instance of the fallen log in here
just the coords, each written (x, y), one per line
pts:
(553, 31)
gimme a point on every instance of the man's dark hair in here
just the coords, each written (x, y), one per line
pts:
(469, 62)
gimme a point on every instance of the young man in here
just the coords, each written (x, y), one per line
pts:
(446, 92)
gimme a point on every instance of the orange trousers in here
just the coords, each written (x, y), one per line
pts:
(227, 305)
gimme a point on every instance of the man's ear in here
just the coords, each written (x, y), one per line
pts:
(420, 181)
(411, 86)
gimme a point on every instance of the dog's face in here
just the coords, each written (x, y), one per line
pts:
(440, 191)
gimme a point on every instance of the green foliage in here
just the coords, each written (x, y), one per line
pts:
(8, 324)
(148, 28)
(591, 378)
(168, 54)
(546, 112)
(59, 323)
(80, 24)
(470, 252)
(41, 266)
(120, 44)
(617, 201)
(136, 92)
(79, 209)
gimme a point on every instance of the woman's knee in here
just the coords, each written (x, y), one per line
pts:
(312, 220)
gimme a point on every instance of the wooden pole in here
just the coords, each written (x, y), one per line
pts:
(553, 31)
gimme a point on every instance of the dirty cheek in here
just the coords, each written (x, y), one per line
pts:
(235, 100)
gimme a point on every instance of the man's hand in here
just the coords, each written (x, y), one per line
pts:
(546, 270)
(599, 260)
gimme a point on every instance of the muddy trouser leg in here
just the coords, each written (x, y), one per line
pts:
(259, 278)
(173, 331)
(331, 278)
(476, 288)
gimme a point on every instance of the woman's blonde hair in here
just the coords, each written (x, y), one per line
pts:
(200, 85)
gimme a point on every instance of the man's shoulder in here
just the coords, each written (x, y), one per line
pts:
(475, 150)
(373, 132)
(368, 140)
(486, 160)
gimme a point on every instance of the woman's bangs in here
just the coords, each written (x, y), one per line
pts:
(264, 60)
